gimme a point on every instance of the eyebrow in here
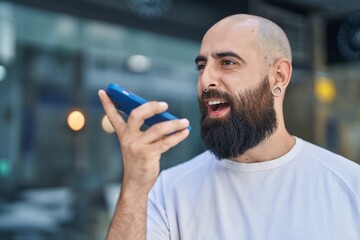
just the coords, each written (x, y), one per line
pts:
(228, 54)
(219, 55)
(200, 58)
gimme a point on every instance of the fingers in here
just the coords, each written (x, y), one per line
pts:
(115, 119)
(145, 111)
(160, 130)
(161, 136)
(170, 141)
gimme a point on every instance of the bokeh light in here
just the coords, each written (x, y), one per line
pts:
(5, 167)
(76, 120)
(325, 89)
(139, 63)
(106, 125)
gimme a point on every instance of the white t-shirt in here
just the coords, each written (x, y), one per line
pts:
(307, 194)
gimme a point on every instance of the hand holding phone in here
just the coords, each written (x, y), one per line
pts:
(126, 101)
(141, 151)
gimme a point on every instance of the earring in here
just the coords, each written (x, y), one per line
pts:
(277, 91)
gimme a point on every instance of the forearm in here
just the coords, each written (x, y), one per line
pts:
(129, 220)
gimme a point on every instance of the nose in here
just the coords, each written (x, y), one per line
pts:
(208, 78)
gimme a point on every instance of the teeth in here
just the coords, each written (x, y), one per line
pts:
(214, 102)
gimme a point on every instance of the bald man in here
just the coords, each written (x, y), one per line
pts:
(256, 181)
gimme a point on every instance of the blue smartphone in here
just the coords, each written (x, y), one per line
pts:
(126, 101)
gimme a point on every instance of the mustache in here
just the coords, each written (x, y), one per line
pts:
(212, 93)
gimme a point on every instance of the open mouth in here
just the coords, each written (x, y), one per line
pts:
(217, 108)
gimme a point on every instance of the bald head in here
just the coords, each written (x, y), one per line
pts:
(273, 39)
(269, 39)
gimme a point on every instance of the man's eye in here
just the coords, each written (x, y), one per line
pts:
(228, 62)
(200, 66)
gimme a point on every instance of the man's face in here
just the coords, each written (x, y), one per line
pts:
(238, 109)
(230, 59)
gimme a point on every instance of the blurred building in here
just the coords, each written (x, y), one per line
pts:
(56, 179)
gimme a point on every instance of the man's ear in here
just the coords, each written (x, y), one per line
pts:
(281, 73)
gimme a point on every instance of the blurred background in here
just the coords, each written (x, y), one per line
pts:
(60, 163)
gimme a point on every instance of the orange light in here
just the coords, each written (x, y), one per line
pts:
(106, 125)
(76, 120)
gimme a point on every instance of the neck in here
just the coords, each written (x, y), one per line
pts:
(277, 145)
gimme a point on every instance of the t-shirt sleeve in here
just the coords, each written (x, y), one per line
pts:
(157, 223)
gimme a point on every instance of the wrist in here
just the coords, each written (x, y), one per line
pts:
(134, 193)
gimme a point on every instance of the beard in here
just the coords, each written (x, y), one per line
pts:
(252, 119)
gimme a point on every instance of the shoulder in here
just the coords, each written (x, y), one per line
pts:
(330, 160)
(346, 171)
